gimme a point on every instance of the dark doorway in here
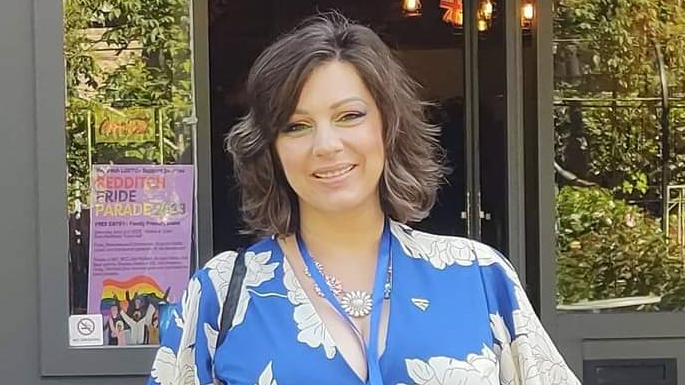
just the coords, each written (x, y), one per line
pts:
(432, 50)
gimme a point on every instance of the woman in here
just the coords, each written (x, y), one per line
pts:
(333, 157)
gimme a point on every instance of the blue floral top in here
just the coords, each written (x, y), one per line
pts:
(459, 316)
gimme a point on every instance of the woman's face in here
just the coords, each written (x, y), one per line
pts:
(332, 149)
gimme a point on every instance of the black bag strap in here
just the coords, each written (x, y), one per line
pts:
(232, 296)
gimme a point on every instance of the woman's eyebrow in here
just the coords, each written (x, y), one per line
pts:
(334, 105)
(346, 100)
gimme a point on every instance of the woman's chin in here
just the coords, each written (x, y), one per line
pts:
(341, 204)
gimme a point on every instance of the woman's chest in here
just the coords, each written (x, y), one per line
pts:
(431, 330)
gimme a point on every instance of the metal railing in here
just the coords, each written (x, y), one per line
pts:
(675, 209)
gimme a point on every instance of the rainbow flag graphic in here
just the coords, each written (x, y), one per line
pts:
(141, 284)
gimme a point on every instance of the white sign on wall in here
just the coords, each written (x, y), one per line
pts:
(85, 330)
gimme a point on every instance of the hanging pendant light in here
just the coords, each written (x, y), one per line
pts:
(411, 8)
(482, 25)
(487, 9)
(485, 12)
(527, 14)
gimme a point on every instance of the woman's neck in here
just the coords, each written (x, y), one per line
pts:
(350, 235)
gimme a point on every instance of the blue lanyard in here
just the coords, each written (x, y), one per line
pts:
(371, 350)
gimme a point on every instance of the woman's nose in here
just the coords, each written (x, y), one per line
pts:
(327, 140)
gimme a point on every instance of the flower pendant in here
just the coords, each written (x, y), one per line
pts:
(356, 303)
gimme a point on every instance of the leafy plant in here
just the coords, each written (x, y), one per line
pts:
(151, 41)
(607, 248)
(606, 60)
(608, 131)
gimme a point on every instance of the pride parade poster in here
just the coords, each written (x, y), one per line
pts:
(140, 246)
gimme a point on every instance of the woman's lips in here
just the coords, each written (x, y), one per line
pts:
(333, 173)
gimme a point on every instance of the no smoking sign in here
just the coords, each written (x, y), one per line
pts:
(85, 330)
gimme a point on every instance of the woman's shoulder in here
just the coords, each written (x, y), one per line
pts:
(259, 260)
(498, 276)
(443, 251)
(224, 261)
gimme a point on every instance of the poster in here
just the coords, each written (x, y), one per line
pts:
(140, 246)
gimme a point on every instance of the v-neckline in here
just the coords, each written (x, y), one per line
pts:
(381, 349)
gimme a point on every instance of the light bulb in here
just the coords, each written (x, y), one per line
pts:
(528, 11)
(411, 5)
(487, 9)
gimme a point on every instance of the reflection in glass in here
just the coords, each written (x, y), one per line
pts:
(619, 114)
(129, 130)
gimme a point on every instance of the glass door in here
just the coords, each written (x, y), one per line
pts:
(490, 125)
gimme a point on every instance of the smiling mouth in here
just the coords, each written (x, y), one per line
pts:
(334, 173)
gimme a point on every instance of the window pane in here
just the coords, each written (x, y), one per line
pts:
(129, 129)
(619, 155)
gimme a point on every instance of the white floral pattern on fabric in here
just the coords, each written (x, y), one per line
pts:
(313, 332)
(508, 363)
(186, 370)
(212, 336)
(526, 360)
(538, 359)
(488, 256)
(219, 269)
(179, 369)
(258, 271)
(440, 251)
(267, 376)
(163, 366)
(188, 320)
(530, 357)
(478, 369)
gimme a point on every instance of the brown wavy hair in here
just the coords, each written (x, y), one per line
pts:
(413, 167)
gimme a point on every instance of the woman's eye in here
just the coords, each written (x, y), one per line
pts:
(351, 116)
(295, 127)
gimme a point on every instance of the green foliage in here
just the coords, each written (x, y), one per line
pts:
(151, 39)
(615, 44)
(609, 249)
(608, 131)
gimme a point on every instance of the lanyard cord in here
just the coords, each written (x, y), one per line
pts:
(379, 291)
